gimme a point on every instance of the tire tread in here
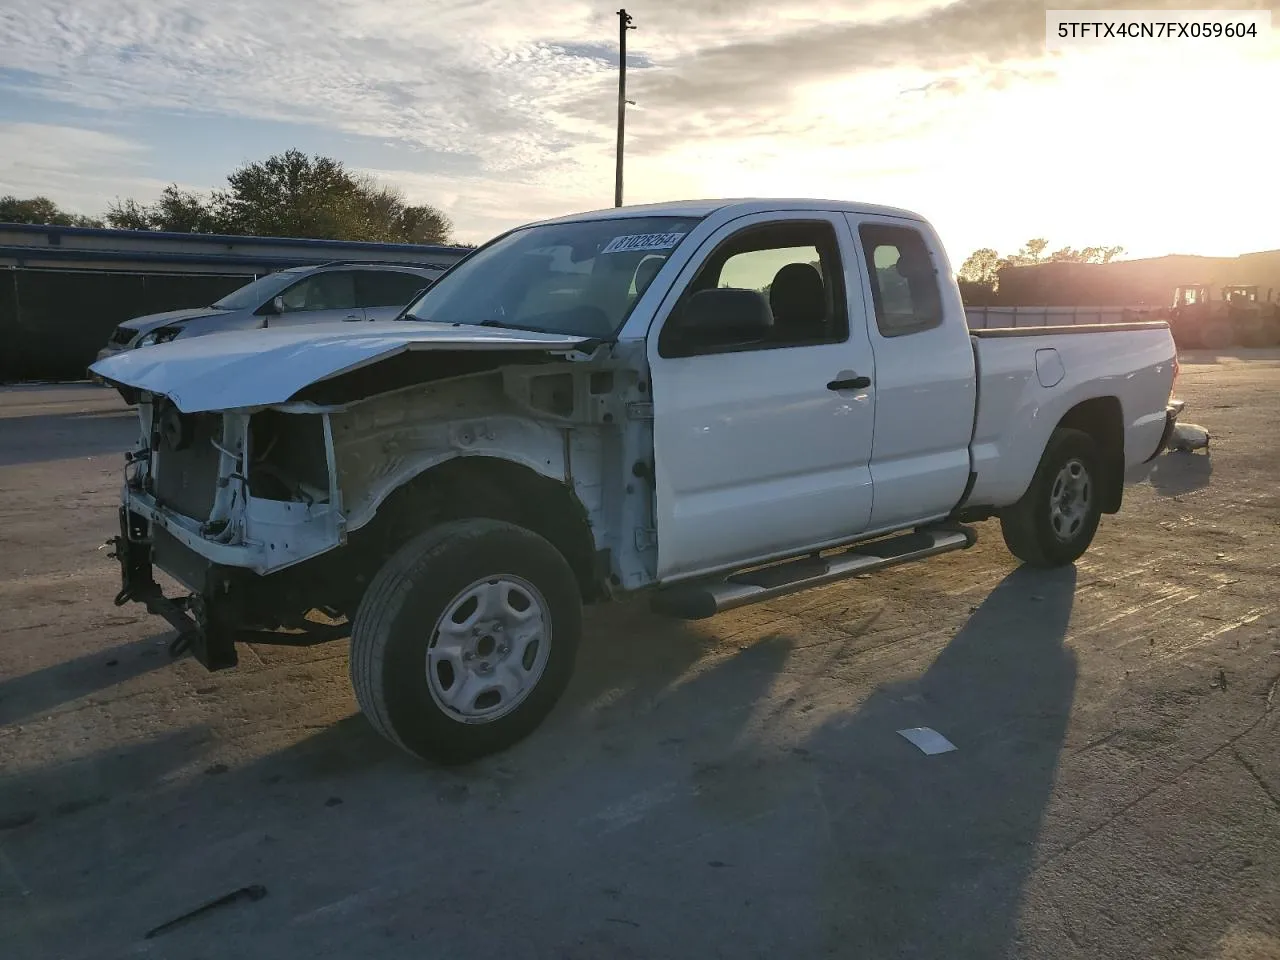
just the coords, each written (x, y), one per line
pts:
(1021, 523)
(372, 629)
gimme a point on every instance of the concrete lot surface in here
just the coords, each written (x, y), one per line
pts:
(734, 788)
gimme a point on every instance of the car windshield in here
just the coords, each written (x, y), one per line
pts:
(580, 278)
(253, 295)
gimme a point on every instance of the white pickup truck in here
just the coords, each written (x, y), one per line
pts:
(714, 402)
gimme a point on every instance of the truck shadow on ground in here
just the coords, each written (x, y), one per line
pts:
(928, 855)
(1174, 474)
(912, 855)
(674, 798)
(45, 438)
(39, 692)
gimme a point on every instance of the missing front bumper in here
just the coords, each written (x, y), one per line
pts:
(205, 638)
(225, 606)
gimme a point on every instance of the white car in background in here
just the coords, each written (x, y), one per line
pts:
(347, 291)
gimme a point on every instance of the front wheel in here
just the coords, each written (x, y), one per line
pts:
(1054, 522)
(465, 639)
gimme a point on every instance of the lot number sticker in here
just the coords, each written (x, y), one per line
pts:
(642, 241)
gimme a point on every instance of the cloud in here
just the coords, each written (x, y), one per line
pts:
(480, 78)
(500, 111)
(956, 85)
(764, 73)
(78, 168)
(946, 85)
(443, 76)
(483, 207)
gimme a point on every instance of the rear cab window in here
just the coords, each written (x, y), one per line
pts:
(903, 278)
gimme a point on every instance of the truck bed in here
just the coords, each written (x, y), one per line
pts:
(1029, 377)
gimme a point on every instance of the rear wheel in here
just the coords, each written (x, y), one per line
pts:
(465, 639)
(1054, 522)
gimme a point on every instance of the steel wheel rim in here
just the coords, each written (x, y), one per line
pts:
(488, 649)
(1069, 500)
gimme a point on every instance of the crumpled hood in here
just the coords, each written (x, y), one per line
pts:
(253, 368)
(153, 320)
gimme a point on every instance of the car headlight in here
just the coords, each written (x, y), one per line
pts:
(163, 335)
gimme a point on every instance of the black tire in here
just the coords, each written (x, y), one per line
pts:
(1029, 525)
(395, 628)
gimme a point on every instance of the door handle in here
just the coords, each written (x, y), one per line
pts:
(852, 383)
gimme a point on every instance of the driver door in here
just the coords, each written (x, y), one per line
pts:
(763, 449)
(320, 298)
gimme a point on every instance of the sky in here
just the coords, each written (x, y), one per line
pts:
(501, 111)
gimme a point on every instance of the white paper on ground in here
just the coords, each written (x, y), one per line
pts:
(929, 741)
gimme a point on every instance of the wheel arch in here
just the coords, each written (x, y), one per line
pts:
(498, 489)
(1102, 418)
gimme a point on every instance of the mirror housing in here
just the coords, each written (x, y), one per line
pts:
(722, 316)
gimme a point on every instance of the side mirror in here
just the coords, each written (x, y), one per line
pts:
(723, 316)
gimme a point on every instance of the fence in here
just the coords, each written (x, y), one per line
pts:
(53, 322)
(63, 290)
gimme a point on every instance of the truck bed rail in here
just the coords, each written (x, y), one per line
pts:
(998, 332)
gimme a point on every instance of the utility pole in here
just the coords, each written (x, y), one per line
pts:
(624, 24)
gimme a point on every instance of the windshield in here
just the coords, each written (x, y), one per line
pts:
(578, 278)
(253, 295)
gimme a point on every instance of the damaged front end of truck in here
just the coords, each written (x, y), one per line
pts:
(271, 484)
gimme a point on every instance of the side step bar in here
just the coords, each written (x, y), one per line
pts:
(705, 598)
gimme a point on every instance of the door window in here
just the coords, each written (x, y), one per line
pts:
(794, 266)
(334, 290)
(388, 288)
(904, 283)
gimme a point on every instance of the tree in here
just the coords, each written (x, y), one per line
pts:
(425, 224)
(979, 275)
(1032, 252)
(981, 267)
(1087, 255)
(291, 195)
(294, 195)
(177, 211)
(41, 210)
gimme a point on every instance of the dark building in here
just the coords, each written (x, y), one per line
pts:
(64, 289)
(1148, 283)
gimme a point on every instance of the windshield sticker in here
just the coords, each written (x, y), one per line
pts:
(635, 242)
